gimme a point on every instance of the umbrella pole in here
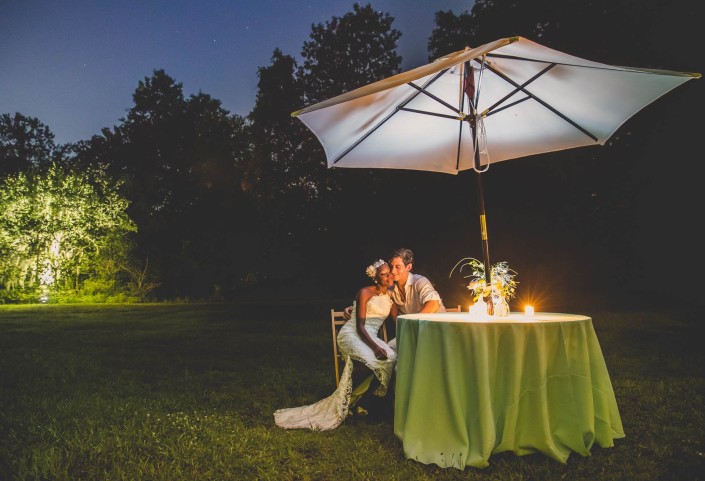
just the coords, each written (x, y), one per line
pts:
(485, 244)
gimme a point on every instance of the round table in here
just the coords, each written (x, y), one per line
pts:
(466, 389)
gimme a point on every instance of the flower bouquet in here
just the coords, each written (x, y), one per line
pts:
(502, 288)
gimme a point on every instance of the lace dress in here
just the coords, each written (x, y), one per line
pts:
(330, 412)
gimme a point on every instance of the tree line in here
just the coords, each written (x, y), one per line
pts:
(184, 200)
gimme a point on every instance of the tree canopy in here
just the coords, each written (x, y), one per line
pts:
(25, 144)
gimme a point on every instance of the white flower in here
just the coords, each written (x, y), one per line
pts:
(372, 268)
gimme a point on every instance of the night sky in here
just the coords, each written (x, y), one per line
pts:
(74, 65)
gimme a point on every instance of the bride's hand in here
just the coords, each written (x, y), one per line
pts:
(347, 313)
(380, 353)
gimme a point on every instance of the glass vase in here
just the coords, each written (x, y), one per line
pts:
(501, 306)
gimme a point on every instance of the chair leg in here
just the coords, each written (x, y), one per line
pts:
(337, 372)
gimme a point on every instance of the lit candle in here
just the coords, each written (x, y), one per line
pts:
(529, 311)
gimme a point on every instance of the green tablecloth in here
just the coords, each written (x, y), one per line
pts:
(466, 390)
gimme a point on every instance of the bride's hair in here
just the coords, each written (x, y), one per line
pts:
(372, 268)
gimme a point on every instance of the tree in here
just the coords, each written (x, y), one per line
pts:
(220, 229)
(301, 197)
(343, 54)
(183, 162)
(154, 156)
(275, 135)
(25, 144)
(60, 228)
(348, 52)
(451, 33)
(573, 26)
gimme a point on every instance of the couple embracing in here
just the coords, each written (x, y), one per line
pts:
(396, 290)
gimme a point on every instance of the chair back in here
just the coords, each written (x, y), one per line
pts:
(453, 309)
(336, 322)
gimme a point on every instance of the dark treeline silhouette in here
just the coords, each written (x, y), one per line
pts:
(230, 207)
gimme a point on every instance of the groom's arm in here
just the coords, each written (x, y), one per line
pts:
(430, 306)
(428, 295)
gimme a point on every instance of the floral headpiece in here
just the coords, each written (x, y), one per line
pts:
(372, 269)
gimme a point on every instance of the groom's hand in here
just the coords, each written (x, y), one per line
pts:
(347, 313)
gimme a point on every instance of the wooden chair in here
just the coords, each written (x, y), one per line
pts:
(336, 322)
(453, 309)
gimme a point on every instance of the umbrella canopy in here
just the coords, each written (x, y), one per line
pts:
(517, 97)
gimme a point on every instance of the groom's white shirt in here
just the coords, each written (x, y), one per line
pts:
(419, 290)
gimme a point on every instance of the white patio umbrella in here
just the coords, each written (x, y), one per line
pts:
(506, 99)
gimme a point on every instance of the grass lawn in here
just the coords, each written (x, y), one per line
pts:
(187, 392)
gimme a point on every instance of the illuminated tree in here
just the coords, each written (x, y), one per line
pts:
(59, 228)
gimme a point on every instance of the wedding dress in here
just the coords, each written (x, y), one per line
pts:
(330, 412)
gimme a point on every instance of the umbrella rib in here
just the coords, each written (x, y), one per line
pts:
(440, 101)
(519, 88)
(612, 68)
(545, 104)
(507, 106)
(435, 114)
(391, 114)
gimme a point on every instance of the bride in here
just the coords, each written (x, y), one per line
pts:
(363, 352)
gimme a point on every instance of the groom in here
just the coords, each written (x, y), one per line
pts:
(412, 293)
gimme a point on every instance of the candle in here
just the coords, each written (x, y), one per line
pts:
(529, 311)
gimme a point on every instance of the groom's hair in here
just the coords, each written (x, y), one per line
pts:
(406, 255)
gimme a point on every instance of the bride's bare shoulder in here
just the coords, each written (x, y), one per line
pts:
(366, 292)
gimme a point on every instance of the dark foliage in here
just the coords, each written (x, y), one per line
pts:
(184, 163)
(233, 207)
(26, 144)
